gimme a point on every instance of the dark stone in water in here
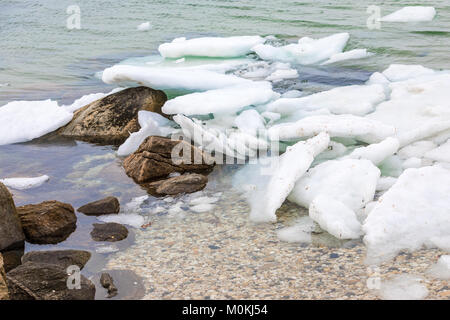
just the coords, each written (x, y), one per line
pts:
(49, 222)
(42, 281)
(187, 183)
(110, 120)
(107, 282)
(109, 205)
(129, 285)
(63, 258)
(110, 232)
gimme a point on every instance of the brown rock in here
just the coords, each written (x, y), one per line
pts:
(107, 282)
(49, 222)
(153, 160)
(187, 183)
(42, 281)
(109, 205)
(4, 295)
(110, 120)
(63, 258)
(11, 234)
(110, 232)
(12, 259)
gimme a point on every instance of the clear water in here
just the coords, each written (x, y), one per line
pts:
(40, 58)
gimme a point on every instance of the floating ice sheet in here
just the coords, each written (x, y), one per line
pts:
(25, 183)
(411, 14)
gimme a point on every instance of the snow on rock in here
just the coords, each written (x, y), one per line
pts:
(210, 47)
(131, 219)
(335, 217)
(357, 177)
(400, 72)
(152, 124)
(289, 168)
(306, 51)
(411, 14)
(412, 213)
(219, 101)
(348, 55)
(250, 121)
(441, 270)
(376, 152)
(346, 126)
(403, 287)
(22, 121)
(299, 232)
(441, 153)
(356, 99)
(25, 183)
(191, 79)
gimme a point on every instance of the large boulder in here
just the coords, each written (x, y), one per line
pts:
(11, 234)
(4, 295)
(156, 158)
(43, 281)
(110, 232)
(186, 183)
(63, 258)
(108, 205)
(110, 120)
(49, 222)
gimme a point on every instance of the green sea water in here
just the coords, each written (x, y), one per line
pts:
(41, 58)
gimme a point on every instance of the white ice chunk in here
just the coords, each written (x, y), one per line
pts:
(210, 47)
(225, 100)
(144, 26)
(357, 177)
(25, 183)
(250, 121)
(348, 55)
(292, 94)
(202, 207)
(377, 78)
(22, 121)
(412, 163)
(441, 153)
(416, 149)
(412, 213)
(441, 270)
(403, 287)
(299, 232)
(289, 168)
(347, 126)
(131, 219)
(357, 100)
(376, 152)
(335, 217)
(411, 14)
(281, 74)
(384, 183)
(400, 72)
(306, 51)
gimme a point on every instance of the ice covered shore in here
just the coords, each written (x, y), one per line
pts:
(367, 160)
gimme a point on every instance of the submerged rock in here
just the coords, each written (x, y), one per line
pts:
(4, 295)
(42, 281)
(49, 222)
(187, 183)
(154, 160)
(110, 120)
(107, 282)
(62, 258)
(107, 205)
(110, 232)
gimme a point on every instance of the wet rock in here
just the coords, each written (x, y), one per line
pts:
(110, 120)
(49, 222)
(109, 205)
(42, 281)
(4, 295)
(11, 234)
(107, 282)
(130, 286)
(153, 160)
(110, 232)
(187, 183)
(63, 258)
(12, 259)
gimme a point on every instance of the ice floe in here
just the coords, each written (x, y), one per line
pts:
(25, 183)
(306, 51)
(210, 47)
(348, 55)
(145, 26)
(411, 14)
(412, 213)
(376, 152)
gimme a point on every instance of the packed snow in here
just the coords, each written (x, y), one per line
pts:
(25, 183)
(411, 14)
(210, 47)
